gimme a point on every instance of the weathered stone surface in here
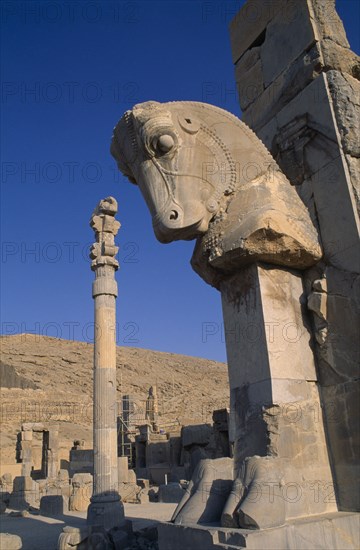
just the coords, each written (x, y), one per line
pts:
(311, 125)
(123, 469)
(354, 171)
(264, 327)
(10, 542)
(328, 22)
(336, 531)
(207, 493)
(128, 491)
(196, 435)
(53, 505)
(25, 493)
(288, 65)
(172, 492)
(279, 92)
(261, 479)
(345, 94)
(247, 27)
(81, 461)
(280, 49)
(341, 406)
(249, 79)
(71, 537)
(82, 488)
(320, 162)
(341, 59)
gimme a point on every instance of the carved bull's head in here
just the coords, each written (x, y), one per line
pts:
(204, 173)
(183, 156)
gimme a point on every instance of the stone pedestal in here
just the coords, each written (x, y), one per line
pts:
(276, 415)
(336, 531)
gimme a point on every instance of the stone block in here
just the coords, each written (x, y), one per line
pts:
(72, 536)
(249, 79)
(10, 542)
(143, 483)
(158, 472)
(282, 90)
(120, 539)
(82, 488)
(131, 476)
(142, 473)
(354, 171)
(24, 483)
(172, 492)
(279, 49)
(328, 22)
(63, 476)
(335, 206)
(157, 452)
(336, 531)
(54, 505)
(250, 324)
(196, 435)
(53, 442)
(324, 165)
(4, 496)
(249, 24)
(345, 95)
(37, 427)
(128, 492)
(143, 497)
(340, 58)
(207, 493)
(26, 435)
(178, 473)
(123, 469)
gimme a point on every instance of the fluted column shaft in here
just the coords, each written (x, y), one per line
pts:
(105, 404)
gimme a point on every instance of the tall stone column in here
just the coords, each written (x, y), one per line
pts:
(106, 509)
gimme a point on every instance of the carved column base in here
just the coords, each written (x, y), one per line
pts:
(106, 510)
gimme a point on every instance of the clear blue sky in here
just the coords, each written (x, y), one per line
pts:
(70, 70)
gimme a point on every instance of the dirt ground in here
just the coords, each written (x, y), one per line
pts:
(42, 533)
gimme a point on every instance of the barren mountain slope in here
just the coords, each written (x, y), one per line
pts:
(50, 380)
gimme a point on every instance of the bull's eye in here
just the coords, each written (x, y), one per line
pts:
(164, 143)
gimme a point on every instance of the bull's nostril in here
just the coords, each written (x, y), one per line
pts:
(174, 215)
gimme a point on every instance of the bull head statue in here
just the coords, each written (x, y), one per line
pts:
(204, 174)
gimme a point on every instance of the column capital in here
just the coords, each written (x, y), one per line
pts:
(105, 227)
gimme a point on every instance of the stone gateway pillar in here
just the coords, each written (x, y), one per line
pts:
(106, 508)
(302, 101)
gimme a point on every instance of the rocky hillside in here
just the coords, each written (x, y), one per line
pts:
(47, 379)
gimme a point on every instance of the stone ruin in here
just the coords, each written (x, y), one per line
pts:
(153, 463)
(277, 233)
(273, 209)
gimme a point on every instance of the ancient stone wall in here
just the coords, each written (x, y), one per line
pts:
(299, 90)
